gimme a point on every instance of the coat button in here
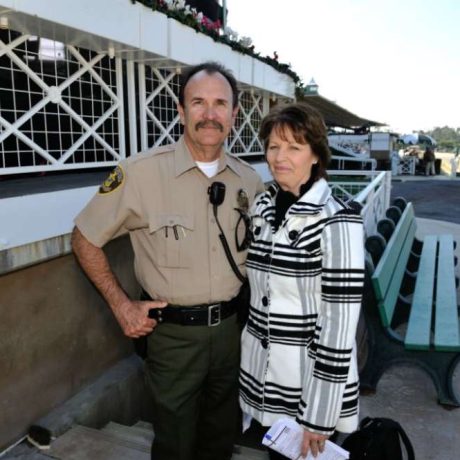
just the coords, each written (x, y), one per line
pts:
(264, 343)
(267, 258)
(257, 231)
(293, 234)
(264, 301)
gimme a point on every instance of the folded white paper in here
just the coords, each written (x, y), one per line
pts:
(285, 436)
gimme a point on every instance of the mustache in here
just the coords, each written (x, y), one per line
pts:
(209, 124)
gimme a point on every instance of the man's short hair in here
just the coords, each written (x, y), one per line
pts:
(210, 67)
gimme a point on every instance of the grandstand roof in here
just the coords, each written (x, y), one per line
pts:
(336, 116)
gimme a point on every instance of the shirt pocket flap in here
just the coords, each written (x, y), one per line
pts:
(159, 221)
(171, 240)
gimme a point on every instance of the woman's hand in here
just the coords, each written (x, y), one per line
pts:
(313, 442)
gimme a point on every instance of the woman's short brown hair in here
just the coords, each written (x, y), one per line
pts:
(307, 127)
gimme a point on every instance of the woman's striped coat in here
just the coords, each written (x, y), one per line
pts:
(298, 347)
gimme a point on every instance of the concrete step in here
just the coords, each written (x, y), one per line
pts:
(143, 432)
(142, 424)
(120, 442)
(24, 451)
(82, 443)
(138, 434)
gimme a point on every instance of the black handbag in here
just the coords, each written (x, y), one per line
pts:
(378, 439)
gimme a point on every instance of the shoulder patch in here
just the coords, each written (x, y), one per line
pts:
(114, 180)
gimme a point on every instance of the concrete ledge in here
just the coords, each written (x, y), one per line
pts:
(33, 253)
(118, 395)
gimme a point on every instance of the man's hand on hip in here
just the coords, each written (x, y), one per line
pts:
(133, 317)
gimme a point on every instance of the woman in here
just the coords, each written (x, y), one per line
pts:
(306, 270)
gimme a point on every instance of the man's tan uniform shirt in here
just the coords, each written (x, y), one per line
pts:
(161, 198)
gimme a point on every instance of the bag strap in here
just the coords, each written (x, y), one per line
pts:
(394, 424)
(365, 421)
(406, 441)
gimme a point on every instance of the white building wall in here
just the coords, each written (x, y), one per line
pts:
(31, 218)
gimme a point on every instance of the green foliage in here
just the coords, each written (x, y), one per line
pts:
(447, 138)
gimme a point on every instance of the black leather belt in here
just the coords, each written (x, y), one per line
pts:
(196, 315)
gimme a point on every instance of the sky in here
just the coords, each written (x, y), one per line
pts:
(392, 61)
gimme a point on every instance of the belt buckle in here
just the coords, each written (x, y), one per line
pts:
(214, 315)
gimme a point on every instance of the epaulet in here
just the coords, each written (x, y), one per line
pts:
(162, 149)
(154, 151)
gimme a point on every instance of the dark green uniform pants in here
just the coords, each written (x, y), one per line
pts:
(192, 372)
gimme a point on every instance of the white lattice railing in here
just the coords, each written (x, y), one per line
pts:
(160, 123)
(243, 140)
(406, 165)
(61, 107)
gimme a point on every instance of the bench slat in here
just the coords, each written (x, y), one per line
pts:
(388, 304)
(419, 327)
(446, 336)
(383, 273)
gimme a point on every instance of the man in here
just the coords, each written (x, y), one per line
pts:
(429, 159)
(161, 198)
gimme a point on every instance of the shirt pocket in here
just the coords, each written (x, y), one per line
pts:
(172, 240)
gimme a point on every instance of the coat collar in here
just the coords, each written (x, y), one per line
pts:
(309, 204)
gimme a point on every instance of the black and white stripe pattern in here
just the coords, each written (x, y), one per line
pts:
(298, 356)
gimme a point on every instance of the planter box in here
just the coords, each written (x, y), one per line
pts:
(277, 82)
(153, 32)
(187, 46)
(259, 75)
(102, 18)
(245, 69)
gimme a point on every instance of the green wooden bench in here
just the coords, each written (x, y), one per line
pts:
(412, 282)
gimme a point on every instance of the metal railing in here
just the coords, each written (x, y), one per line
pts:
(363, 163)
(375, 199)
(372, 193)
